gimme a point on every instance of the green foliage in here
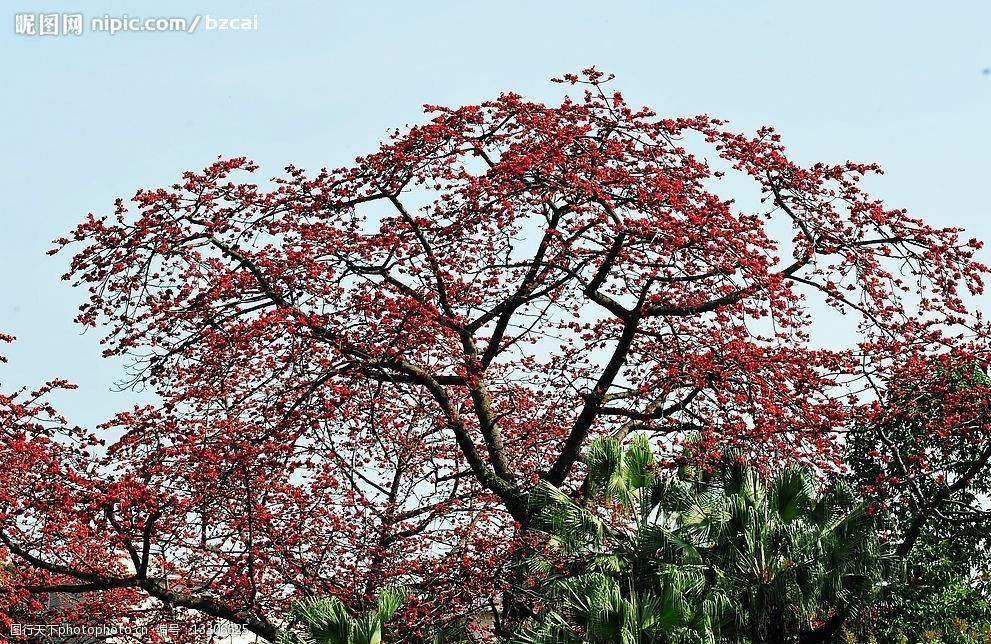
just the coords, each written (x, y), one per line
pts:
(732, 556)
(939, 601)
(924, 467)
(328, 621)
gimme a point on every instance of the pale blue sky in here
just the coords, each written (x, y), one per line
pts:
(86, 119)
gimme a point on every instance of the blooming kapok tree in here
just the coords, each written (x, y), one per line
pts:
(364, 372)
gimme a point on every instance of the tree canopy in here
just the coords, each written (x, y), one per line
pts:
(364, 372)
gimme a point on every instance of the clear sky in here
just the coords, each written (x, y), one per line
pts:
(88, 118)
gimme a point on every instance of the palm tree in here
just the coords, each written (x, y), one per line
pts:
(328, 621)
(796, 565)
(628, 576)
(732, 556)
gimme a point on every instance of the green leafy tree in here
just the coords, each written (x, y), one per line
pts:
(937, 603)
(923, 460)
(727, 555)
